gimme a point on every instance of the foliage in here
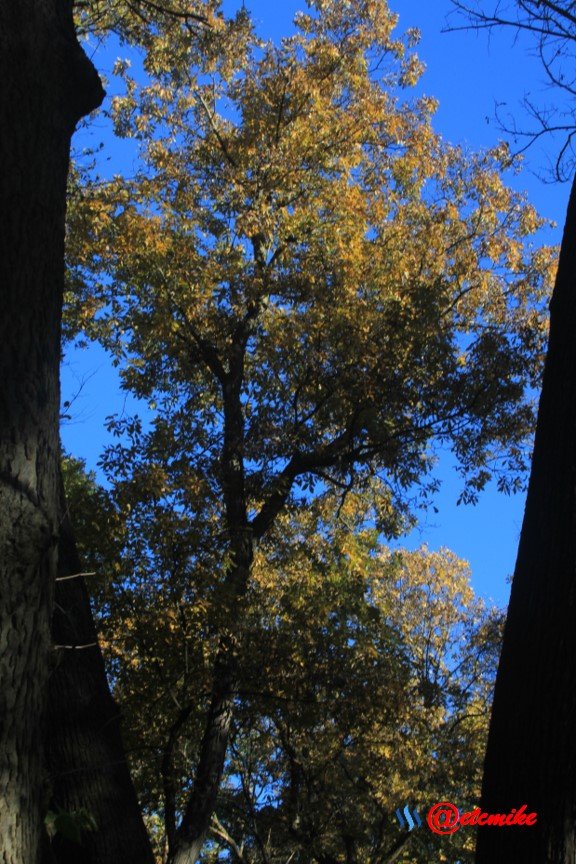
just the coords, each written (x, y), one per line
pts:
(69, 825)
(97, 524)
(298, 226)
(311, 291)
(366, 683)
(166, 35)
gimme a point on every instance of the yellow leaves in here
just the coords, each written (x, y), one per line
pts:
(337, 181)
(530, 221)
(295, 221)
(330, 673)
(121, 66)
(412, 70)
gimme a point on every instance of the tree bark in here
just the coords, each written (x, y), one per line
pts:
(85, 757)
(46, 85)
(531, 754)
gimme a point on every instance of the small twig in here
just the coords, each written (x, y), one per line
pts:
(73, 576)
(76, 647)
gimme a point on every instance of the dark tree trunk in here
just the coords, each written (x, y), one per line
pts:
(46, 85)
(197, 818)
(185, 848)
(531, 755)
(85, 757)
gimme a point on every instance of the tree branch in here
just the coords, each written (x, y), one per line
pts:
(167, 774)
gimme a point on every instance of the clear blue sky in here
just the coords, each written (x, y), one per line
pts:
(469, 74)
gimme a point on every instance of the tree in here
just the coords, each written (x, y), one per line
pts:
(532, 705)
(48, 84)
(85, 762)
(87, 770)
(365, 683)
(309, 288)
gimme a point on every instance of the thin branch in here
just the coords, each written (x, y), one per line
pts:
(220, 831)
(393, 851)
(208, 351)
(167, 774)
(73, 576)
(175, 13)
(211, 120)
(76, 647)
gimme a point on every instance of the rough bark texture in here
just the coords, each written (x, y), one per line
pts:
(85, 757)
(531, 755)
(46, 85)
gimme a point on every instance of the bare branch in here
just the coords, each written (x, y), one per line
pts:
(73, 576)
(220, 831)
(552, 24)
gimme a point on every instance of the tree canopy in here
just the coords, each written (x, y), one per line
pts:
(312, 292)
(297, 233)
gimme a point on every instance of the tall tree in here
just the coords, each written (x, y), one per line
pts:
(310, 288)
(86, 765)
(365, 681)
(47, 85)
(531, 755)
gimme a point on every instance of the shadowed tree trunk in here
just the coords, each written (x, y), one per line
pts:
(85, 757)
(186, 846)
(531, 755)
(46, 85)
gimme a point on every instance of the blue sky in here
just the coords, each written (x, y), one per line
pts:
(469, 74)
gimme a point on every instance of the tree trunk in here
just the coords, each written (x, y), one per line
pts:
(85, 757)
(192, 832)
(186, 847)
(46, 85)
(531, 755)
(196, 821)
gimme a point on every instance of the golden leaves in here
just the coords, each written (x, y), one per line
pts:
(298, 230)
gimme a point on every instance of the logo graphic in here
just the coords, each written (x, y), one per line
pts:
(410, 819)
(443, 818)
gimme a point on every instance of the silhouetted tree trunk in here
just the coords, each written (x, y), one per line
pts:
(187, 844)
(46, 85)
(85, 757)
(531, 755)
